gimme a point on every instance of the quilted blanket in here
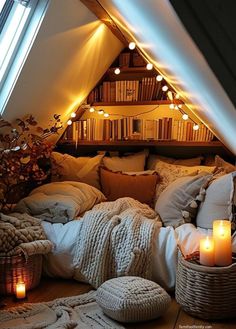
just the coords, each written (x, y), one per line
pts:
(115, 240)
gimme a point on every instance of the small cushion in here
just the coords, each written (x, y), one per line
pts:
(82, 169)
(153, 158)
(133, 162)
(132, 299)
(117, 185)
(178, 203)
(228, 167)
(219, 202)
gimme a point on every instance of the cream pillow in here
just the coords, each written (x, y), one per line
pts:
(134, 162)
(82, 169)
(219, 203)
(153, 158)
(227, 167)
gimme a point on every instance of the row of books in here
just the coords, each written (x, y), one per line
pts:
(134, 128)
(127, 90)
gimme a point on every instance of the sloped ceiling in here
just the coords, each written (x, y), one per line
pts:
(157, 29)
(70, 54)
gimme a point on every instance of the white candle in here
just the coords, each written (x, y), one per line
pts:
(222, 240)
(207, 251)
(20, 290)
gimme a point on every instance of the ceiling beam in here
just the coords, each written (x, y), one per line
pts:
(95, 7)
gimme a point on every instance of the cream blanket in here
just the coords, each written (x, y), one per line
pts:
(115, 240)
(22, 233)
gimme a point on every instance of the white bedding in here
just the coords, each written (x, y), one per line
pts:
(60, 262)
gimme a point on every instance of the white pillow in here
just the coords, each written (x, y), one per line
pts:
(153, 158)
(82, 169)
(60, 201)
(219, 202)
(134, 162)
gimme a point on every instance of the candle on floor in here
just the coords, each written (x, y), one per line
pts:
(20, 290)
(207, 251)
(222, 240)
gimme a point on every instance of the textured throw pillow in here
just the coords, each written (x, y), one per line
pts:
(153, 158)
(82, 169)
(170, 172)
(228, 167)
(133, 162)
(178, 203)
(60, 202)
(117, 185)
(219, 202)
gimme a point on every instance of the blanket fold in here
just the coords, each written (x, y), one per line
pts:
(116, 240)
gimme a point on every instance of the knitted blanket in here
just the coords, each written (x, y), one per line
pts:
(77, 312)
(115, 240)
(22, 233)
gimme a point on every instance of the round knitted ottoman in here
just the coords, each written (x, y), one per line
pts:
(132, 299)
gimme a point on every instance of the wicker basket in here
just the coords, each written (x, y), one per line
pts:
(16, 268)
(206, 292)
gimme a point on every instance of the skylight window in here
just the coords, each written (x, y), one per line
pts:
(19, 23)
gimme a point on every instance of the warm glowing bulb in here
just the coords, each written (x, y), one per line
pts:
(100, 112)
(165, 88)
(69, 122)
(149, 66)
(177, 96)
(91, 109)
(159, 77)
(132, 45)
(106, 115)
(185, 116)
(73, 115)
(176, 107)
(195, 127)
(172, 106)
(180, 106)
(117, 70)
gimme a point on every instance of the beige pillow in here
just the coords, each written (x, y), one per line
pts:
(179, 201)
(153, 158)
(82, 169)
(219, 201)
(228, 167)
(134, 162)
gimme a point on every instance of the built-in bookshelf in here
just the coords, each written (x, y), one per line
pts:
(131, 128)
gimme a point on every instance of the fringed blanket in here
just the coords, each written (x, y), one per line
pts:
(22, 233)
(115, 240)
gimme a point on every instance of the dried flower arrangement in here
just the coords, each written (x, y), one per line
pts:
(24, 150)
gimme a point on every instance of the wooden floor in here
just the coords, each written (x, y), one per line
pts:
(174, 318)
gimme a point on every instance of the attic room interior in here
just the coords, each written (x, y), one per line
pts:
(117, 164)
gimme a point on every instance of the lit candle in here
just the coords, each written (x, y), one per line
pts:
(222, 240)
(207, 251)
(20, 290)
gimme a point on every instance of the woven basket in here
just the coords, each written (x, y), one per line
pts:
(14, 269)
(206, 292)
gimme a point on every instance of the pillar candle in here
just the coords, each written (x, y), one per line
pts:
(222, 240)
(20, 290)
(207, 251)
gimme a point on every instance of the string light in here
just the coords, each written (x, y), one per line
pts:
(117, 71)
(91, 109)
(195, 126)
(159, 77)
(165, 88)
(172, 106)
(73, 115)
(185, 116)
(176, 107)
(106, 115)
(100, 112)
(69, 122)
(149, 66)
(177, 96)
(132, 45)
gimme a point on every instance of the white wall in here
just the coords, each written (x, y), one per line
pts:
(70, 54)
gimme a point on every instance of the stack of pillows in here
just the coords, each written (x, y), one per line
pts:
(175, 188)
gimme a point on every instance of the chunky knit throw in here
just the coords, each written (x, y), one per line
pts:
(115, 240)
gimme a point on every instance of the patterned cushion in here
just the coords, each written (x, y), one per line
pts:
(132, 299)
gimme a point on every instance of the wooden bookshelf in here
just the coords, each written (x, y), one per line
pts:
(136, 103)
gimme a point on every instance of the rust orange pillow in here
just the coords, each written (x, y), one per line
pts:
(118, 185)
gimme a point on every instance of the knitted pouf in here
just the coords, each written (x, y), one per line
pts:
(132, 299)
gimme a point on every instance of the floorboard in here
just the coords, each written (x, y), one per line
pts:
(174, 318)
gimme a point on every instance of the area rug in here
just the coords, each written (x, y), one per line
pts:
(76, 312)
